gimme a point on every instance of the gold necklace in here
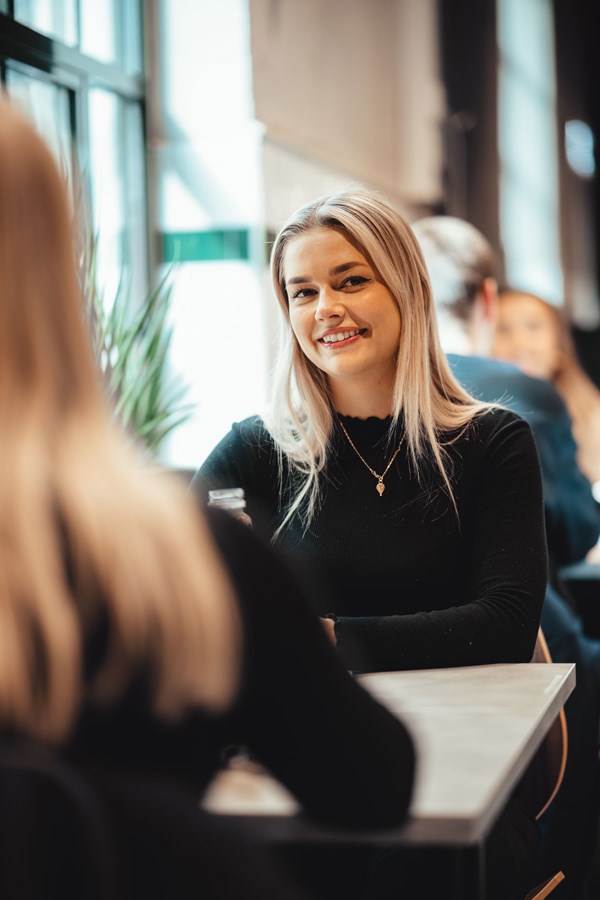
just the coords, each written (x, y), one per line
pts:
(380, 486)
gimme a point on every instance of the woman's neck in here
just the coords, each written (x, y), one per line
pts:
(362, 400)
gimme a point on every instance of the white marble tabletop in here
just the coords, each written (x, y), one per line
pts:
(476, 729)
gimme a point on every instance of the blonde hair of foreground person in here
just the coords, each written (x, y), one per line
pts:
(425, 391)
(72, 488)
(578, 391)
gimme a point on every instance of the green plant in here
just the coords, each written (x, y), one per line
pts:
(131, 343)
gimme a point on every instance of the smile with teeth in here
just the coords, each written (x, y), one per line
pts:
(341, 336)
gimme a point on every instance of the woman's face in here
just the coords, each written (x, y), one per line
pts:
(526, 334)
(345, 320)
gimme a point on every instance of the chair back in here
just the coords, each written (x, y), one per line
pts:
(544, 889)
(545, 773)
(60, 829)
(55, 841)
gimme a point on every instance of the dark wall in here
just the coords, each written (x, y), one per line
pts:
(469, 69)
(469, 58)
(578, 77)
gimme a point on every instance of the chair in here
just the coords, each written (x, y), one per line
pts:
(106, 834)
(546, 888)
(552, 755)
(55, 839)
(545, 773)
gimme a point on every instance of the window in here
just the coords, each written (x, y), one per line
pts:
(48, 105)
(529, 213)
(56, 18)
(75, 67)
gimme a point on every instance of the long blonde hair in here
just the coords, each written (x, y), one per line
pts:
(578, 391)
(86, 527)
(425, 391)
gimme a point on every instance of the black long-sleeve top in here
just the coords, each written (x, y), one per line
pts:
(298, 711)
(414, 582)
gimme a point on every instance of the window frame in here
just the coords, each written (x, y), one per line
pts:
(46, 58)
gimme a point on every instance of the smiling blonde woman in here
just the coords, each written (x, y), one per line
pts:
(417, 507)
(415, 511)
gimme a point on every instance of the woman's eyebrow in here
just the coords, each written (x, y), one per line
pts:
(344, 267)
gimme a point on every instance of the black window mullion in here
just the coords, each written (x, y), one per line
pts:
(151, 263)
(73, 122)
(22, 44)
(25, 45)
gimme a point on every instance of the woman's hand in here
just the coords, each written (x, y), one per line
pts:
(329, 626)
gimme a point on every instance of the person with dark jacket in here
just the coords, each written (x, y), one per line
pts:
(461, 267)
(139, 636)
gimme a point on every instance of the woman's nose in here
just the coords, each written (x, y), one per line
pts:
(328, 305)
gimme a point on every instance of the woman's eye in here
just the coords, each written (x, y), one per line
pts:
(303, 293)
(354, 281)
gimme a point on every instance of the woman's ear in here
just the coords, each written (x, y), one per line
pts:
(484, 316)
(489, 299)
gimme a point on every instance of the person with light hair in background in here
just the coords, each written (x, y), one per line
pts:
(416, 507)
(536, 337)
(461, 266)
(136, 633)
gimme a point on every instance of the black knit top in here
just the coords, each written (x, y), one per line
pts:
(414, 581)
(311, 725)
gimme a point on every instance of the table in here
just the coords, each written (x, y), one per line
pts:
(476, 729)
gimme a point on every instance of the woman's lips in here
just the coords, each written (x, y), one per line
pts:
(336, 340)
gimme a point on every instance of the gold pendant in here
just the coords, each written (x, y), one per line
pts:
(380, 488)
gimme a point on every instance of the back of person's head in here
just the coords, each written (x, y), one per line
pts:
(87, 530)
(458, 259)
(44, 360)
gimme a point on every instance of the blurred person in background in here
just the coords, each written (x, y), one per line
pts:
(139, 637)
(461, 266)
(418, 507)
(535, 336)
